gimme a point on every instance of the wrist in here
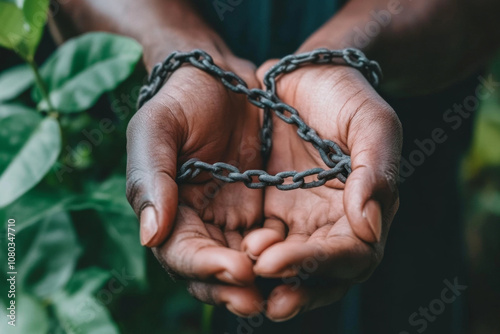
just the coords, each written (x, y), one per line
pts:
(189, 74)
(161, 26)
(340, 77)
(336, 72)
(339, 40)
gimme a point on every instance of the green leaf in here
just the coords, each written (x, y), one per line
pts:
(78, 311)
(109, 196)
(122, 246)
(38, 203)
(122, 228)
(44, 200)
(31, 316)
(87, 281)
(12, 27)
(49, 260)
(29, 146)
(22, 25)
(84, 68)
(15, 81)
(35, 14)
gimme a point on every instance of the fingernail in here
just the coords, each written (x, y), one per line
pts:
(149, 225)
(284, 273)
(293, 314)
(276, 295)
(251, 256)
(227, 277)
(244, 248)
(373, 215)
(289, 272)
(233, 310)
(287, 318)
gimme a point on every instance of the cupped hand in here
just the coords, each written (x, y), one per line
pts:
(196, 228)
(334, 234)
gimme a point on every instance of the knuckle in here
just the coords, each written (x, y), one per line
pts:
(135, 124)
(160, 256)
(156, 115)
(131, 126)
(133, 190)
(202, 292)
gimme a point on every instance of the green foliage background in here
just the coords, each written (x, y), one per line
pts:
(81, 268)
(481, 181)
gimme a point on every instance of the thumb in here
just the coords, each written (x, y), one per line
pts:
(365, 195)
(371, 194)
(151, 172)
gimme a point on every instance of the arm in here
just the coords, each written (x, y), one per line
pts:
(161, 27)
(422, 46)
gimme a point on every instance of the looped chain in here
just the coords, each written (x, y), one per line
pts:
(331, 154)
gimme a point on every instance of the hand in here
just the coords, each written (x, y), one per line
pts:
(193, 115)
(335, 233)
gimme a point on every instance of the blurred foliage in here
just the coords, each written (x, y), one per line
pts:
(482, 198)
(81, 268)
(485, 151)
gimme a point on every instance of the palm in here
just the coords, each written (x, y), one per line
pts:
(194, 116)
(313, 217)
(320, 231)
(222, 127)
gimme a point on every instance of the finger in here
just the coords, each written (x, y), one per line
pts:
(151, 170)
(192, 253)
(242, 301)
(371, 196)
(233, 239)
(286, 301)
(216, 234)
(257, 241)
(335, 256)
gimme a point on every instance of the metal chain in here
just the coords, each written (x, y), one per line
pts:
(331, 154)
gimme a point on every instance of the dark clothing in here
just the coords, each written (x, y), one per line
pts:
(259, 30)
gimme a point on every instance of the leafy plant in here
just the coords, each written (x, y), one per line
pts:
(62, 162)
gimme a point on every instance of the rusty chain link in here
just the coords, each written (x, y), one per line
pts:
(331, 154)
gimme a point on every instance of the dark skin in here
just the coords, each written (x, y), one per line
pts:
(221, 238)
(194, 116)
(339, 226)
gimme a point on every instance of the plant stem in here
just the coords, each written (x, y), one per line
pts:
(206, 319)
(41, 84)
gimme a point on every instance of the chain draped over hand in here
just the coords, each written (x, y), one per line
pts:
(338, 162)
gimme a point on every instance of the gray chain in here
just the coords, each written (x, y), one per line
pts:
(331, 154)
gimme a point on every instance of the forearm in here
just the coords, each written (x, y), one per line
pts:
(160, 26)
(422, 46)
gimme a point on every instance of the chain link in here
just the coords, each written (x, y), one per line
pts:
(331, 154)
